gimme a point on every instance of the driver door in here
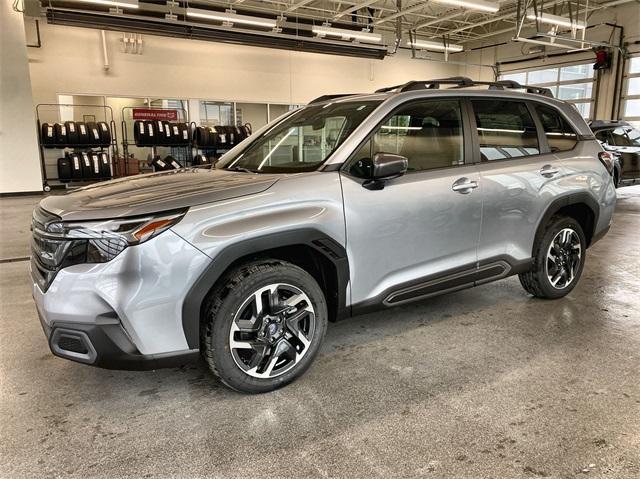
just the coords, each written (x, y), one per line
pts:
(417, 236)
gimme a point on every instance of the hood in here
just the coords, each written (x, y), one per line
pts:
(145, 194)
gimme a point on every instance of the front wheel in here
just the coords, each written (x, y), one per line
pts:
(558, 260)
(263, 326)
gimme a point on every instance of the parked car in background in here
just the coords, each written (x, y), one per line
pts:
(622, 139)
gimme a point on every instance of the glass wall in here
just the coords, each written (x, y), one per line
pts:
(573, 83)
(630, 106)
(213, 113)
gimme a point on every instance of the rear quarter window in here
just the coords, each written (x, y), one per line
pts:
(560, 135)
(505, 129)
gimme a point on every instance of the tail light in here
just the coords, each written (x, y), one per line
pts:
(607, 159)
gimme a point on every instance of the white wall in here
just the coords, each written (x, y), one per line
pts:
(19, 157)
(70, 61)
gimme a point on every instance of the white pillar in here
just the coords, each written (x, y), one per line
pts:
(19, 154)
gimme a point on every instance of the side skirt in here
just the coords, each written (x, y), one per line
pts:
(469, 276)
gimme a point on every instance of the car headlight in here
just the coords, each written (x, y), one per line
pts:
(66, 243)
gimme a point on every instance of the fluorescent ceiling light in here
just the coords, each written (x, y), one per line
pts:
(230, 17)
(481, 5)
(114, 3)
(555, 20)
(346, 34)
(435, 46)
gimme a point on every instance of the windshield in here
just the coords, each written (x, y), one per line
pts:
(303, 141)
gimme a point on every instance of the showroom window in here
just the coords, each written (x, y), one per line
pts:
(573, 83)
(214, 113)
(560, 136)
(631, 97)
(505, 130)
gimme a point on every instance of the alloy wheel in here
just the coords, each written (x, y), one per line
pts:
(272, 330)
(563, 258)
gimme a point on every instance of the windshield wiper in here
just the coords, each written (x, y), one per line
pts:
(239, 168)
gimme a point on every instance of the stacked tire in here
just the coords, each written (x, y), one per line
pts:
(84, 165)
(75, 134)
(221, 137)
(160, 133)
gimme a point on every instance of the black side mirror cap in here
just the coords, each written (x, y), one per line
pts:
(385, 166)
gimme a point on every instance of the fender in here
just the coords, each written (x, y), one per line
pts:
(325, 245)
(564, 201)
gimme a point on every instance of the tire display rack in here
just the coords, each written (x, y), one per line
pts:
(210, 143)
(110, 149)
(181, 152)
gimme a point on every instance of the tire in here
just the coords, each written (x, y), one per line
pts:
(616, 179)
(570, 255)
(250, 369)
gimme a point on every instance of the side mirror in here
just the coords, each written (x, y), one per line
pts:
(385, 166)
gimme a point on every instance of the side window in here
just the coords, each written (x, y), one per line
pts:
(427, 133)
(560, 135)
(620, 138)
(505, 129)
(603, 136)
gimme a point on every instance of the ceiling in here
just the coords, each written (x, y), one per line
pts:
(430, 19)
(393, 19)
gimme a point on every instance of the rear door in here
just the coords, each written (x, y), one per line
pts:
(518, 172)
(418, 235)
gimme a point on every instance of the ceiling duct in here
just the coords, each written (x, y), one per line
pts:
(194, 31)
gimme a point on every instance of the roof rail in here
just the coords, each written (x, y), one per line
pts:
(329, 97)
(464, 82)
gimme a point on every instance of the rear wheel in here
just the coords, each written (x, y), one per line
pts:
(558, 260)
(263, 326)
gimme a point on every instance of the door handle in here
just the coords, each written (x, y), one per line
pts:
(464, 185)
(548, 171)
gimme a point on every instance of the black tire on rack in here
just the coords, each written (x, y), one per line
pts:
(83, 133)
(183, 133)
(168, 135)
(152, 133)
(105, 165)
(64, 169)
(72, 132)
(139, 133)
(60, 134)
(48, 135)
(85, 163)
(96, 170)
(201, 160)
(94, 133)
(202, 136)
(76, 166)
(105, 133)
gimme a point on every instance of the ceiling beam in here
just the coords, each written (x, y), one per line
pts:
(418, 6)
(352, 9)
(295, 6)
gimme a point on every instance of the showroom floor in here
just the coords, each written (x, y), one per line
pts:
(486, 382)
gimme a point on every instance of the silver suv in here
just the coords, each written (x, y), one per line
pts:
(350, 204)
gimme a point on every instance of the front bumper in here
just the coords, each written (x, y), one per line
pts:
(124, 314)
(107, 346)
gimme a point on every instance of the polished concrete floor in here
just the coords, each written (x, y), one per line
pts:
(481, 383)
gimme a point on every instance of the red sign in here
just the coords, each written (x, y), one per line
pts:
(154, 114)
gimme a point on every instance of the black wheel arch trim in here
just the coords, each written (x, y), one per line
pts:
(319, 241)
(579, 198)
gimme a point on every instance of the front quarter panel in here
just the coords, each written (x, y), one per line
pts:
(302, 201)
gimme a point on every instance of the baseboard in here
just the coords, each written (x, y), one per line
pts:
(21, 193)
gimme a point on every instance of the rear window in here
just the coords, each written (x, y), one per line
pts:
(505, 129)
(560, 136)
